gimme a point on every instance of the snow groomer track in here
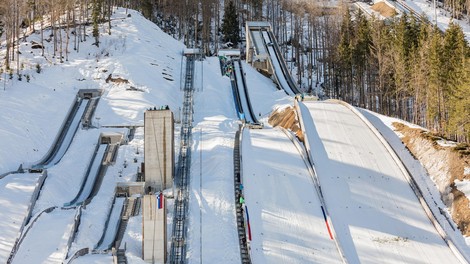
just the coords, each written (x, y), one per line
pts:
(375, 212)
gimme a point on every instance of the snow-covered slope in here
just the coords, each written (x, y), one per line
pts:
(286, 217)
(376, 215)
(32, 113)
(150, 61)
(137, 50)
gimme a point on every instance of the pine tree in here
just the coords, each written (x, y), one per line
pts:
(454, 54)
(96, 20)
(434, 91)
(345, 57)
(459, 121)
(361, 53)
(382, 53)
(147, 9)
(420, 72)
(230, 24)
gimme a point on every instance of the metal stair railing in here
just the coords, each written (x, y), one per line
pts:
(244, 250)
(178, 242)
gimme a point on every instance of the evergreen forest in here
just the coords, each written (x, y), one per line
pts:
(403, 66)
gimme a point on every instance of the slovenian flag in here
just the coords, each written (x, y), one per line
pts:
(160, 200)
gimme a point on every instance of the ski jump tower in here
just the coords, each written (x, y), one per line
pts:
(158, 171)
(159, 149)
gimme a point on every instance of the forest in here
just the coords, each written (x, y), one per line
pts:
(404, 66)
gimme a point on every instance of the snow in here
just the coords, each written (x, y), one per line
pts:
(463, 186)
(286, 219)
(443, 16)
(34, 112)
(69, 134)
(446, 143)
(15, 196)
(259, 43)
(95, 259)
(428, 188)
(212, 210)
(425, 7)
(113, 224)
(132, 240)
(46, 242)
(375, 213)
(151, 61)
(90, 178)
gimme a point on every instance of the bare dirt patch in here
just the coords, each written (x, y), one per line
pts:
(118, 80)
(384, 9)
(444, 165)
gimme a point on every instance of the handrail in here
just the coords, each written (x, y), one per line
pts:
(178, 243)
(237, 160)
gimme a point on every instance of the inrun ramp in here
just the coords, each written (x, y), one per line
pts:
(376, 215)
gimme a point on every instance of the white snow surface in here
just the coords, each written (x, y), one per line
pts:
(375, 213)
(15, 196)
(46, 242)
(428, 188)
(137, 50)
(33, 114)
(443, 16)
(463, 186)
(69, 135)
(89, 180)
(113, 224)
(286, 219)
